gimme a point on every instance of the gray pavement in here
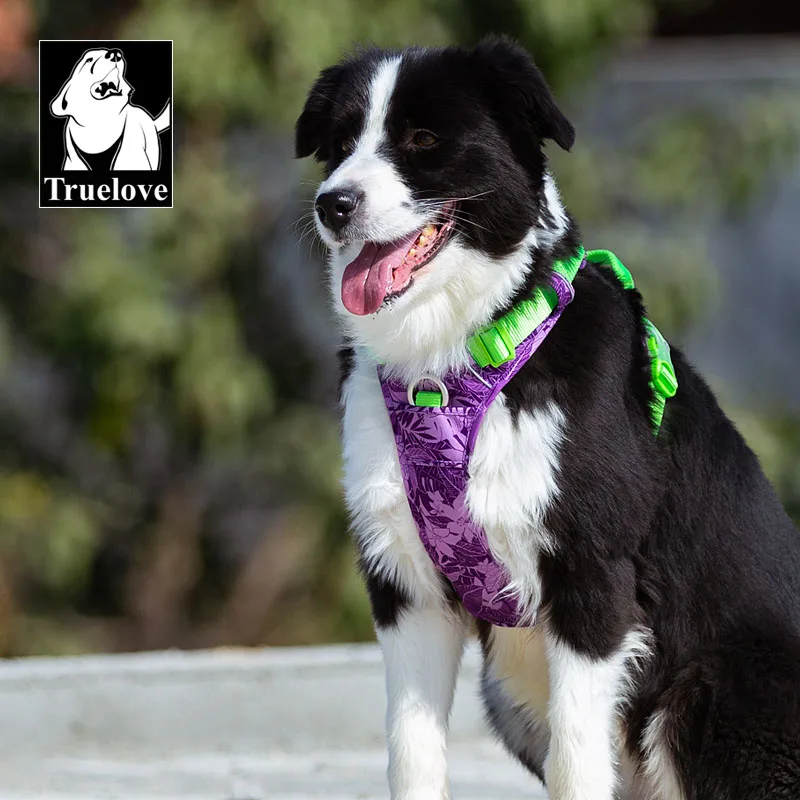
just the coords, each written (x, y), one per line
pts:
(285, 724)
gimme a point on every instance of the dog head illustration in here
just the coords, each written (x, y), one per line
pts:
(96, 90)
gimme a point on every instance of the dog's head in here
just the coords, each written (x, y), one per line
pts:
(436, 188)
(96, 89)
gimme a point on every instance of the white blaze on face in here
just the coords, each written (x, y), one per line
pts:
(386, 211)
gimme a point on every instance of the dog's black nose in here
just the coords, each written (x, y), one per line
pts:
(114, 54)
(335, 209)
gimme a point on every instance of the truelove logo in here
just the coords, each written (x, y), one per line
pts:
(99, 146)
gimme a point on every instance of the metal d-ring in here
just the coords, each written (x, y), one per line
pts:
(439, 385)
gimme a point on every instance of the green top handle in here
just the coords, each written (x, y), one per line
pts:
(663, 380)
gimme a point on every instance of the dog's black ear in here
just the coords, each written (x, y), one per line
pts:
(312, 131)
(516, 86)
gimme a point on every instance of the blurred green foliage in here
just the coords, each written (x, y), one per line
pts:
(168, 443)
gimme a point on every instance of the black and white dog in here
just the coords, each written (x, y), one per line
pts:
(663, 573)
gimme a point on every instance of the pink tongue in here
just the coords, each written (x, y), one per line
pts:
(368, 278)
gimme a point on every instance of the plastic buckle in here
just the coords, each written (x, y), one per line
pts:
(426, 398)
(665, 382)
(492, 346)
(664, 379)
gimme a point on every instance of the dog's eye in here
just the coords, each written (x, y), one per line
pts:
(424, 139)
(345, 145)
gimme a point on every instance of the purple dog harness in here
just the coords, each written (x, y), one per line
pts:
(434, 445)
(435, 433)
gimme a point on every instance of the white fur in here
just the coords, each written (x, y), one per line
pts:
(657, 766)
(550, 235)
(512, 484)
(422, 655)
(585, 699)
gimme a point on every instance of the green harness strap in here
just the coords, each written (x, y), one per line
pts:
(496, 344)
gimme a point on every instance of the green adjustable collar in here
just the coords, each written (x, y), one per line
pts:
(496, 344)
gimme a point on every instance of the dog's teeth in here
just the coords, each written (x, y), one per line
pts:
(428, 230)
(412, 251)
(422, 239)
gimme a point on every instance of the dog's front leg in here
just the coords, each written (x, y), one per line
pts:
(422, 652)
(591, 658)
(580, 763)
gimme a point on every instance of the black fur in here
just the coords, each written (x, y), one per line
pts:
(386, 598)
(681, 534)
(346, 356)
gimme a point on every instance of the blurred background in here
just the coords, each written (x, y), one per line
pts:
(169, 465)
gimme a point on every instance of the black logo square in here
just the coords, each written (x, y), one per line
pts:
(105, 124)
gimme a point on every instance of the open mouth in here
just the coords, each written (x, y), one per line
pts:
(382, 272)
(108, 86)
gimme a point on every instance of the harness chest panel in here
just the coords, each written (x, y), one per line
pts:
(434, 445)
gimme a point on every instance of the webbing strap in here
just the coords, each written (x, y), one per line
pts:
(497, 343)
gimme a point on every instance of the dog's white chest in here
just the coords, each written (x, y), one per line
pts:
(512, 481)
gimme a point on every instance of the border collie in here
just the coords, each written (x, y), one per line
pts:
(662, 574)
